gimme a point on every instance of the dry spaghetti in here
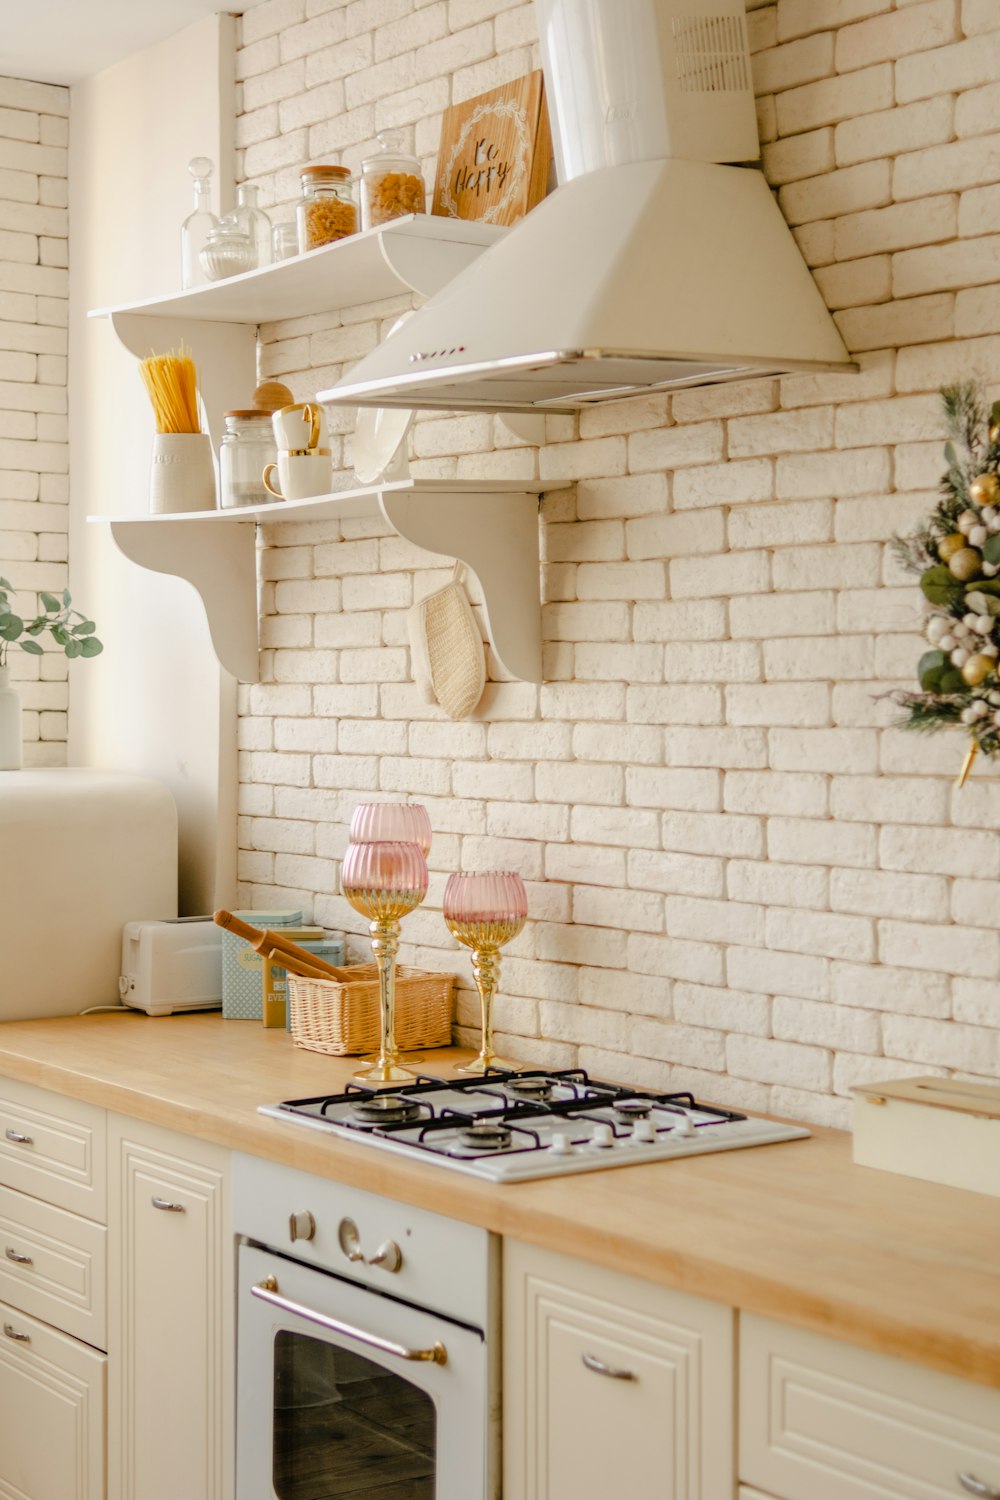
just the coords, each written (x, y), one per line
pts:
(172, 383)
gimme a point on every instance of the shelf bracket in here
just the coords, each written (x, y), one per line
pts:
(496, 535)
(219, 559)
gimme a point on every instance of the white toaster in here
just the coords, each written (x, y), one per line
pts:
(171, 965)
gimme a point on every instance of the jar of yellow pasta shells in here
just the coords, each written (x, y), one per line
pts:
(391, 183)
(326, 211)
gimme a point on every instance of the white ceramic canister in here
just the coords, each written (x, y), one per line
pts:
(182, 474)
(11, 734)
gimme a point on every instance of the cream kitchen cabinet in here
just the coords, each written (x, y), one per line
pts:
(612, 1385)
(170, 1317)
(52, 1291)
(823, 1420)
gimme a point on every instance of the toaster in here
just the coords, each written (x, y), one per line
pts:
(171, 965)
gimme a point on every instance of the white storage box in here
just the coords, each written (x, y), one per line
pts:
(83, 852)
(942, 1129)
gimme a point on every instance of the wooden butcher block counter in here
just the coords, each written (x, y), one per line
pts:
(793, 1231)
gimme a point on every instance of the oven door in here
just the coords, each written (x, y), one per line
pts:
(343, 1392)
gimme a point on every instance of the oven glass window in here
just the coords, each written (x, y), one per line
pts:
(344, 1426)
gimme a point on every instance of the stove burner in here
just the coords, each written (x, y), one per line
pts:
(485, 1135)
(632, 1109)
(385, 1109)
(540, 1089)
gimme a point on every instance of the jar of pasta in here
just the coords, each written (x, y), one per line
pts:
(391, 182)
(325, 211)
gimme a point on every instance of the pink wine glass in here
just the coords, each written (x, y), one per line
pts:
(484, 911)
(391, 823)
(383, 882)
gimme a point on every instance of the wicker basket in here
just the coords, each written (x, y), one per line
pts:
(343, 1019)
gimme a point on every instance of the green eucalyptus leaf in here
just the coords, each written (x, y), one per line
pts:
(72, 648)
(951, 457)
(10, 627)
(930, 669)
(988, 586)
(32, 647)
(939, 585)
(952, 681)
(50, 603)
(59, 635)
(91, 646)
(67, 598)
(991, 550)
(85, 627)
(994, 419)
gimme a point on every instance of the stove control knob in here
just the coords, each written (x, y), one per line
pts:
(561, 1145)
(643, 1132)
(388, 1256)
(682, 1126)
(301, 1226)
(603, 1136)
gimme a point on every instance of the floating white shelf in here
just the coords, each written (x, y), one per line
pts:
(492, 526)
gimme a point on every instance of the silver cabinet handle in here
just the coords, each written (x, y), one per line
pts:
(167, 1206)
(600, 1368)
(10, 1332)
(975, 1486)
(18, 1138)
(267, 1291)
(17, 1258)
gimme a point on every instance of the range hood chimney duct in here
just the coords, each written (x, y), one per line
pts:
(658, 262)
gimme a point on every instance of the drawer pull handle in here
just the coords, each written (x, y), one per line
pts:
(600, 1368)
(168, 1207)
(10, 1332)
(974, 1486)
(17, 1258)
(18, 1138)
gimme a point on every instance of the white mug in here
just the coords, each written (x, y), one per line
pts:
(300, 475)
(301, 428)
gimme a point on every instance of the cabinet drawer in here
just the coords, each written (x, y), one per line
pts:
(612, 1385)
(54, 1148)
(52, 1264)
(52, 1404)
(821, 1420)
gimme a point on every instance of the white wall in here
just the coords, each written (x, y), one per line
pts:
(34, 490)
(740, 876)
(156, 702)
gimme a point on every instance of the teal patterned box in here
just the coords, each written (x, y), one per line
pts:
(243, 969)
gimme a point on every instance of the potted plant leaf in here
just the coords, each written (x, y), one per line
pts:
(72, 632)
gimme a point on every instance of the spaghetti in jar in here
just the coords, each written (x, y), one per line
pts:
(326, 210)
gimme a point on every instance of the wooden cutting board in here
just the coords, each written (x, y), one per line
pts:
(941, 1129)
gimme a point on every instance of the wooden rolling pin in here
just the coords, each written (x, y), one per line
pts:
(265, 941)
(296, 965)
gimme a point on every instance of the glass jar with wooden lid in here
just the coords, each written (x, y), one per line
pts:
(325, 211)
(392, 183)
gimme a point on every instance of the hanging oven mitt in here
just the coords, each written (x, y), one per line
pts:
(446, 649)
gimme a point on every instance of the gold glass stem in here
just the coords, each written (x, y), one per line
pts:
(385, 1068)
(486, 972)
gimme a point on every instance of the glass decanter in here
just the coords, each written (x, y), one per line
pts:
(198, 225)
(253, 221)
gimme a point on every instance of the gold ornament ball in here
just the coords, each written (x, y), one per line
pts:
(977, 669)
(949, 545)
(965, 565)
(985, 489)
(994, 433)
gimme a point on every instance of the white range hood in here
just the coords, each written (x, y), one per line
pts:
(653, 266)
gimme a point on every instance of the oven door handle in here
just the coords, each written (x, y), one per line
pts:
(267, 1291)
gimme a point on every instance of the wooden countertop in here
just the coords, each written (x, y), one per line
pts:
(794, 1231)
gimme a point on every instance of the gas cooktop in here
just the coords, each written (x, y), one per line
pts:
(508, 1127)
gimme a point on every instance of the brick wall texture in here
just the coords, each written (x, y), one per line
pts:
(34, 495)
(741, 877)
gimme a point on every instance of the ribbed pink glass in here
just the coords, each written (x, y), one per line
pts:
(484, 910)
(384, 880)
(391, 823)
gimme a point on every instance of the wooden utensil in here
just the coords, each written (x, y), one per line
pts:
(265, 940)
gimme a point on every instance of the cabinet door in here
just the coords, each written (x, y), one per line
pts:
(169, 1317)
(612, 1385)
(52, 1395)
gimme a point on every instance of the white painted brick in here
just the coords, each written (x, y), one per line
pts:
(701, 963)
(675, 536)
(674, 705)
(767, 615)
(679, 620)
(710, 661)
(782, 432)
(777, 885)
(727, 749)
(948, 168)
(945, 267)
(682, 790)
(948, 69)
(775, 703)
(714, 834)
(976, 111)
(738, 399)
(878, 987)
(874, 519)
(723, 1010)
(621, 580)
(778, 1062)
(715, 921)
(681, 874)
(945, 851)
(834, 99)
(978, 16)
(880, 894)
(781, 525)
(527, 820)
(893, 131)
(973, 903)
(898, 227)
(730, 573)
(847, 190)
(801, 17)
(794, 63)
(976, 1001)
(729, 485)
(599, 457)
(856, 283)
(789, 794)
(918, 1039)
(799, 156)
(828, 935)
(918, 28)
(821, 842)
(629, 744)
(618, 826)
(947, 949)
(835, 566)
(630, 495)
(674, 447)
(916, 320)
(582, 864)
(792, 659)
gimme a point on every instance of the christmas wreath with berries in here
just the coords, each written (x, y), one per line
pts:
(957, 555)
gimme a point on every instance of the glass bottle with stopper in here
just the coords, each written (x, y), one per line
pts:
(253, 221)
(198, 225)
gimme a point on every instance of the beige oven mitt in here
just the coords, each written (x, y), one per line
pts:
(446, 649)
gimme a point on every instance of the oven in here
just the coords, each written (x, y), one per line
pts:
(367, 1345)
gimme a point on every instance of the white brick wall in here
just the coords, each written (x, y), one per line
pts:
(740, 875)
(34, 120)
